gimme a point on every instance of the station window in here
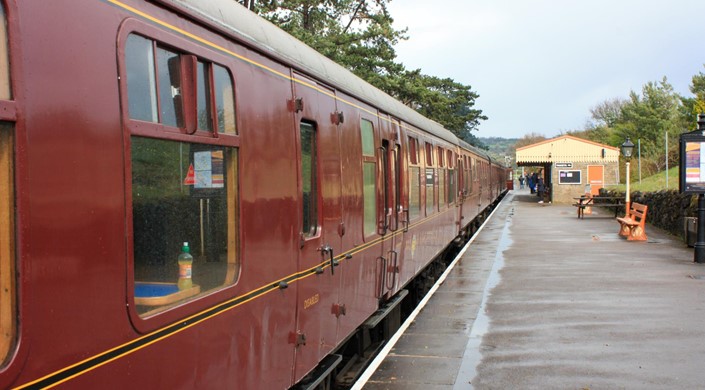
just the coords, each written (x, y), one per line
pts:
(369, 177)
(157, 77)
(184, 190)
(309, 179)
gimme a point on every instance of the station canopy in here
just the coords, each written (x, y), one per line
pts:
(566, 149)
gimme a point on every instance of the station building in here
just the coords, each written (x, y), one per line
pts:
(571, 166)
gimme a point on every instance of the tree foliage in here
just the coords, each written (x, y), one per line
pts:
(448, 102)
(650, 117)
(358, 34)
(608, 113)
(529, 139)
(697, 87)
(647, 118)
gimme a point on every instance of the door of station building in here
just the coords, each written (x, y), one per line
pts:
(596, 178)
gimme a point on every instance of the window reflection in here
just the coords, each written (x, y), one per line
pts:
(182, 192)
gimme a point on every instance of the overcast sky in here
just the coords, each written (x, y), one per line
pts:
(540, 65)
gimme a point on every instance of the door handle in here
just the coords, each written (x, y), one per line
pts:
(329, 250)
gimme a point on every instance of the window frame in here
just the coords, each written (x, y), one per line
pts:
(414, 163)
(12, 178)
(430, 207)
(370, 160)
(135, 127)
(187, 48)
(316, 231)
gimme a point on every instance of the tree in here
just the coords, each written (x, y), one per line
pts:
(443, 100)
(698, 89)
(358, 35)
(249, 4)
(608, 112)
(647, 117)
(529, 139)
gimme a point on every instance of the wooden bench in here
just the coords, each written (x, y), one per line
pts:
(633, 225)
(585, 203)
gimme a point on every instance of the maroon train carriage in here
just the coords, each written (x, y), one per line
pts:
(309, 199)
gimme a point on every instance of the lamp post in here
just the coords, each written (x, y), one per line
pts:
(627, 148)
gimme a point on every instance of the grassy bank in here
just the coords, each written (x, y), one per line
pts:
(656, 182)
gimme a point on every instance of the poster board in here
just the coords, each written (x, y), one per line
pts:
(692, 163)
(569, 177)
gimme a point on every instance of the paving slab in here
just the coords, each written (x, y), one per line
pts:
(543, 300)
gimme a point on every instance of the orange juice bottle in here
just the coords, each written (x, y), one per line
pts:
(185, 262)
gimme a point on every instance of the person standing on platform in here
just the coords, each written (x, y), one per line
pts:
(521, 181)
(540, 188)
(534, 182)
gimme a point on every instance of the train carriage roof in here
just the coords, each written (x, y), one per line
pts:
(236, 20)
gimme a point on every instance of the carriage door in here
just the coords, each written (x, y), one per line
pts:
(314, 108)
(391, 223)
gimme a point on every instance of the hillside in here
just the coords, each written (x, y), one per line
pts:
(500, 147)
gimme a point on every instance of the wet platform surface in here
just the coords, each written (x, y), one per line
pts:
(542, 300)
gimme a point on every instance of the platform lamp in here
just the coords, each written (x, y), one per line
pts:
(627, 149)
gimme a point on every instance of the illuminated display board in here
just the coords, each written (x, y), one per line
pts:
(692, 164)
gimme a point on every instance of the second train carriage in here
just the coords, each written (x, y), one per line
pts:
(129, 127)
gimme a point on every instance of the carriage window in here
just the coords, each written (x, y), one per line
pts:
(451, 186)
(369, 176)
(429, 155)
(224, 100)
(309, 179)
(7, 241)
(205, 114)
(414, 179)
(141, 79)
(430, 181)
(442, 187)
(413, 151)
(154, 87)
(182, 193)
(5, 87)
(169, 74)
(414, 192)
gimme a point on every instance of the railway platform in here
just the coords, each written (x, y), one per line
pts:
(543, 300)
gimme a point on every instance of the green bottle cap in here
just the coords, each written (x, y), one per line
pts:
(185, 248)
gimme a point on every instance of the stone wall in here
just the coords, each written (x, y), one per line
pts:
(667, 209)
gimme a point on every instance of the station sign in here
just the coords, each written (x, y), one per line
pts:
(564, 165)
